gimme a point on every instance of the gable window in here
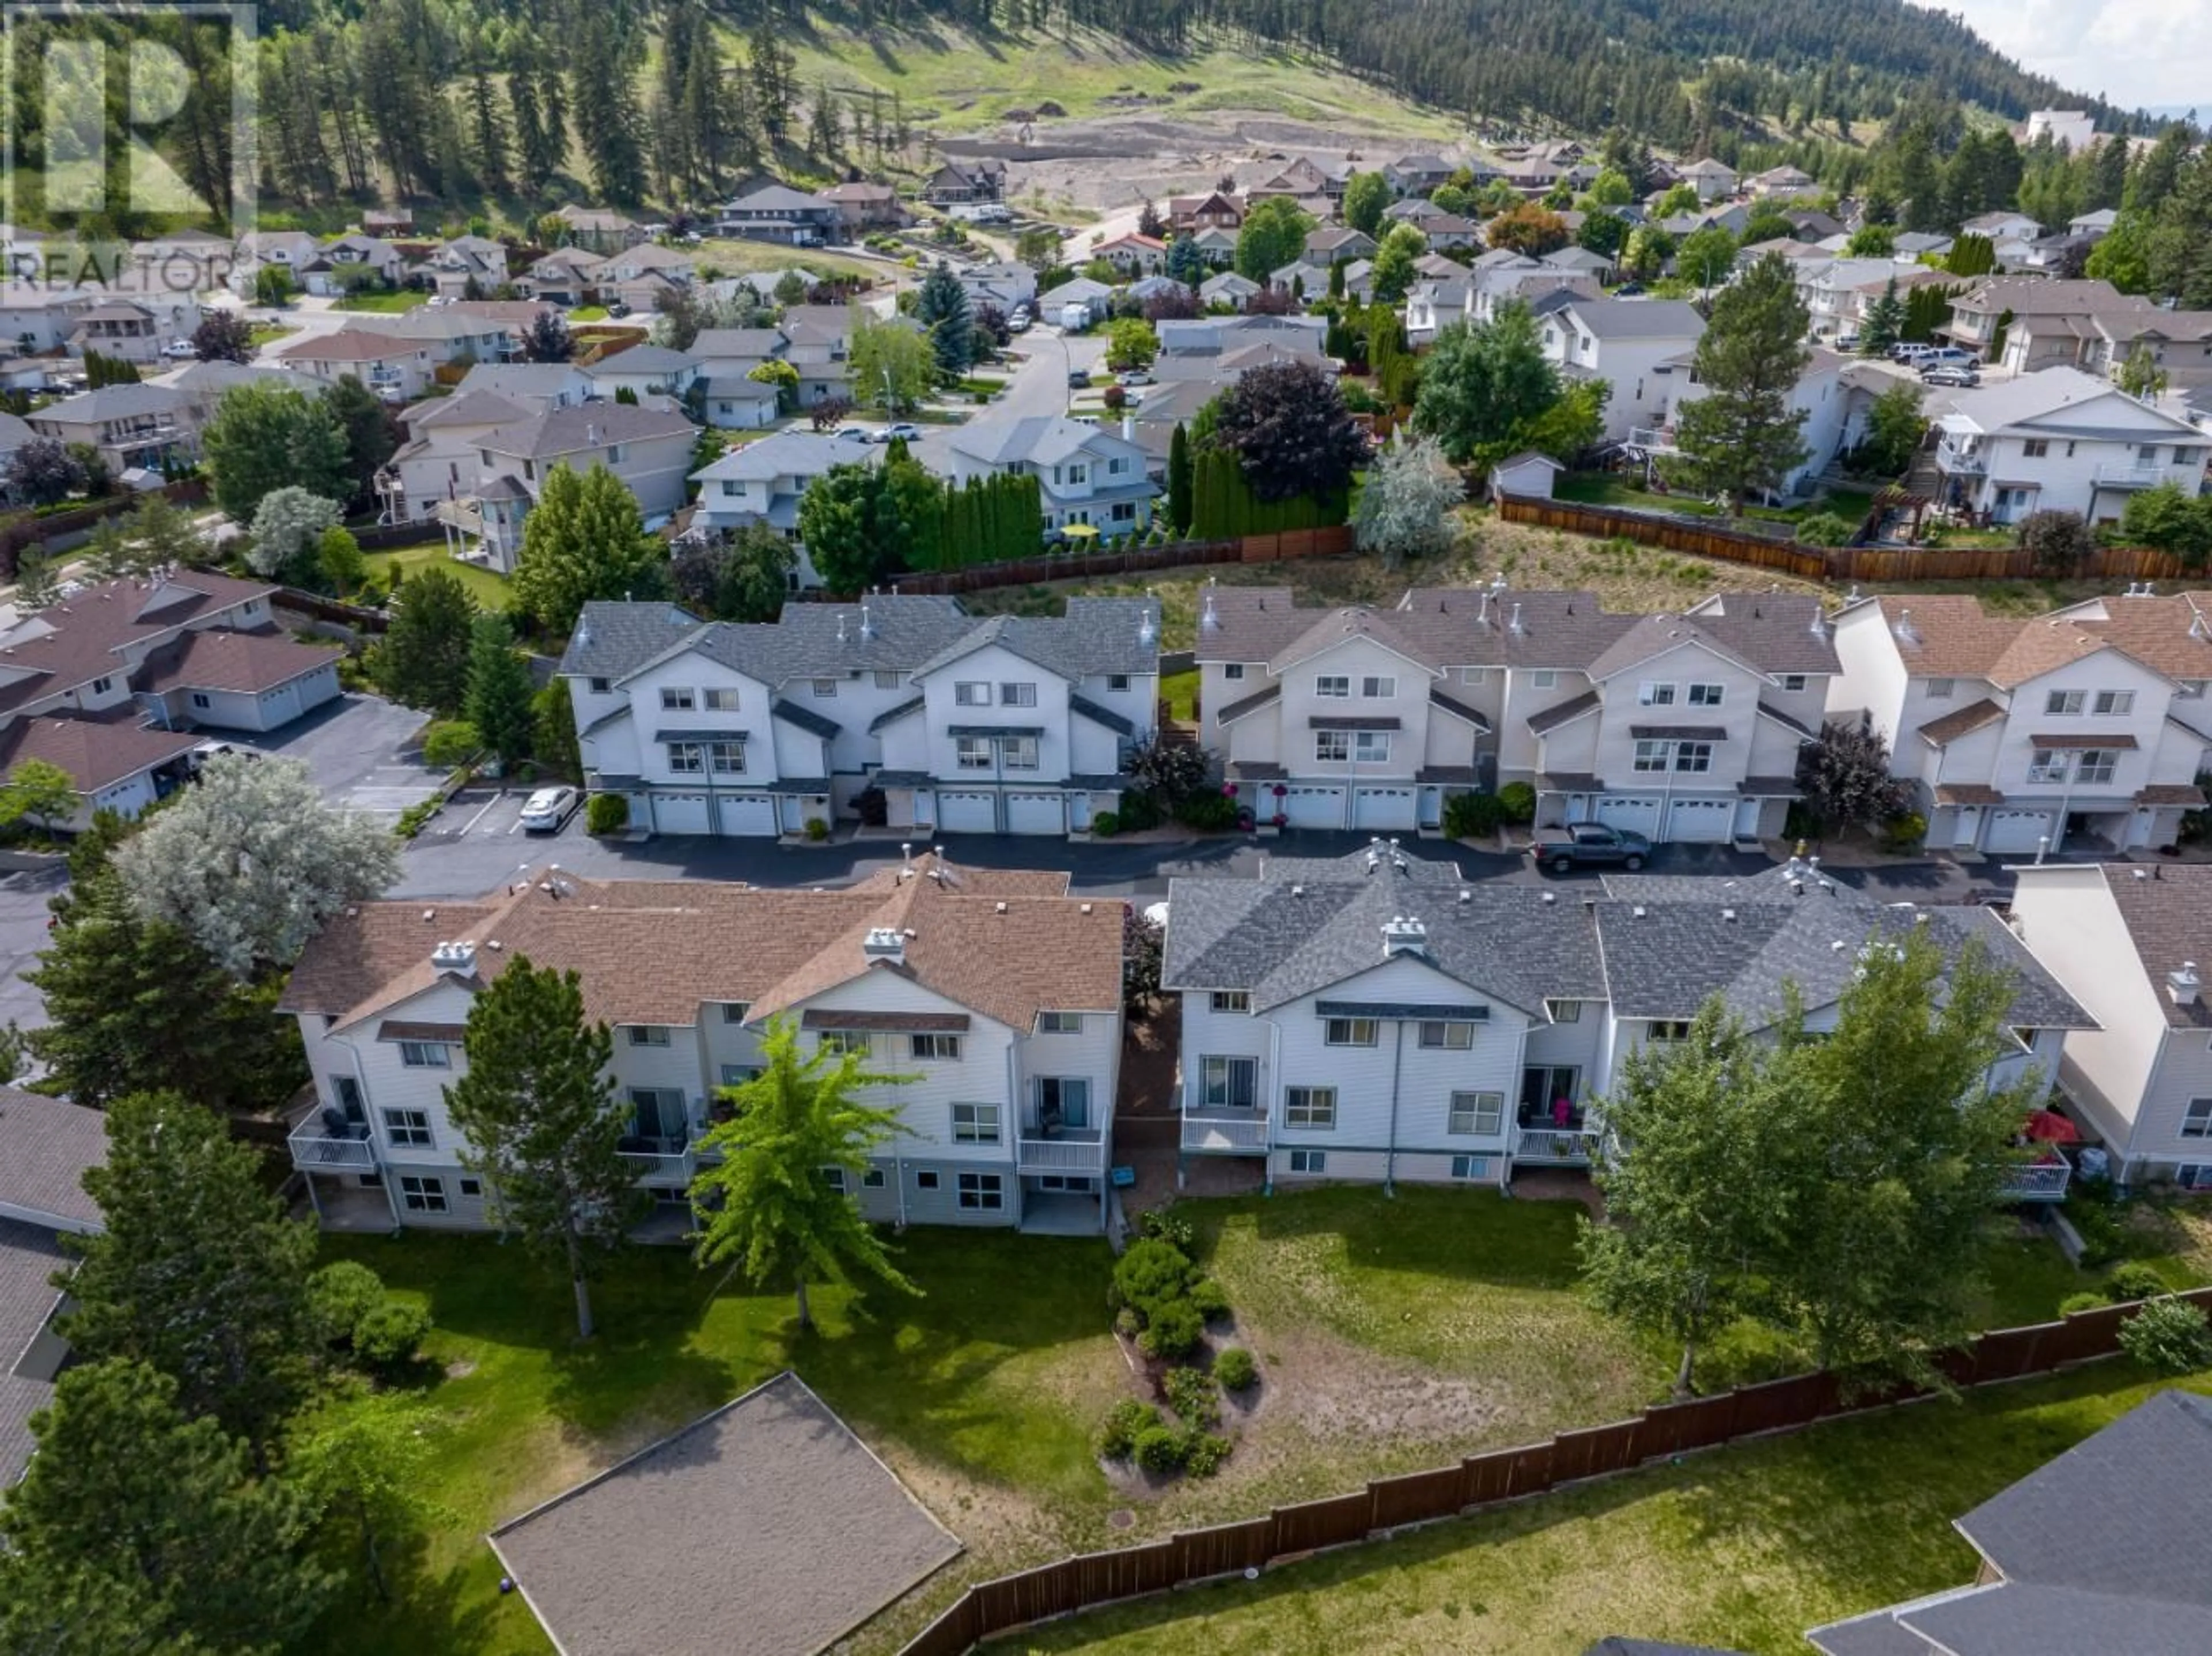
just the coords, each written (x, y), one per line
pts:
(1351, 1031)
(689, 757)
(885, 680)
(933, 1046)
(1313, 1107)
(843, 1040)
(1476, 1115)
(1543, 678)
(1793, 681)
(648, 1034)
(1939, 690)
(1060, 1023)
(408, 1127)
(1564, 1012)
(1474, 675)
(982, 1193)
(1333, 686)
(1378, 688)
(720, 698)
(1228, 1000)
(972, 753)
(974, 1124)
(969, 693)
(1652, 756)
(1655, 695)
(421, 1195)
(2197, 1120)
(425, 1055)
(1707, 695)
(824, 689)
(1232, 670)
(1660, 1031)
(1308, 1161)
(1332, 747)
(1370, 747)
(1693, 756)
(101, 686)
(2035, 448)
(727, 758)
(674, 700)
(1118, 681)
(1022, 695)
(2115, 701)
(599, 686)
(2062, 703)
(1019, 752)
(1451, 1036)
(2096, 765)
(2045, 765)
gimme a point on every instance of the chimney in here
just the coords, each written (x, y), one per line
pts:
(2181, 985)
(884, 945)
(459, 958)
(906, 850)
(1403, 935)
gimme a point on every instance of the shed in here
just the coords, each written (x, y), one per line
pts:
(1528, 473)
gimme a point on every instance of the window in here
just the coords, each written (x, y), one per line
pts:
(873, 1179)
(1309, 1107)
(1707, 695)
(889, 680)
(1019, 753)
(599, 686)
(1332, 747)
(1228, 1083)
(842, 1040)
(1564, 1012)
(824, 689)
(2190, 689)
(473, 1187)
(425, 1055)
(101, 686)
(946, 1047)
(2035, 448)
(1450, 1037)
(408, 1127)
(2197, 1120)
(688, 758)
(1308, 1161)
(648, 1034)
(1060, 1023)
(1228, 1000)
(1543, 678)
(1470, 1166)
(1370, 747)
(1065, 1099)
(1232, 670)
(1939, 690)
(737, 1074)
(1652, 756)
(2115, 701)
(967, 693)
(2045, 765)
(2062, 703)
(1118, 681)
(1378, 688)
(974, 1124)
(727, 758)
(1351, 1031)
(1017, 695)
(1659, 1030)
(1793, 681)
(721, 698)
(834, 1178)
(1655, 695)
(982, 1193)
(972, 753)
(2096, 765)
(925, 1180)
(1479, 1114)
(736, 1012)
(676, 701)
(423, 1195)
(1078, 474)
(1693, 756)
(1333, 686)
(1474, 675)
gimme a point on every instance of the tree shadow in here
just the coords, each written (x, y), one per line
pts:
(1474, 1236)
(455, 1608)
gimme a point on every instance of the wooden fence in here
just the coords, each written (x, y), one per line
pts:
(1660, 1432)
(1137, 560)
(1743, 542)
(20, 534)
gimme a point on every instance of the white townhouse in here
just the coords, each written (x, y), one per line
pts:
(952, 723)
(1639, 347)
(464, 261)
(995, 998)
(1376, 1018)
(1085, 475)
(2130, 942)
(763, 483)
(643, 371)
(1680, 728)
(2086, 727)
(2060, 440)
(1834, 394)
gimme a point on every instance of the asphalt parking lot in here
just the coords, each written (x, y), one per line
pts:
(360, 750)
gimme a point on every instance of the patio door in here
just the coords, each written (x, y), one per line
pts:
(1229, 1084)
(1541, 1084)
(656, 1112)
(1063, 1102)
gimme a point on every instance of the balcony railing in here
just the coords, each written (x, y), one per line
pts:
(660, 1161)
(1068, 1150)
(1554, 1146)
(2044, 1181)
(1658, 438)
(316, 1149)
(1961, 461)
(2136, 476)
(1224, 1132)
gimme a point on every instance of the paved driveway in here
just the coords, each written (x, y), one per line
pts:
(23, 934)
(360, 750)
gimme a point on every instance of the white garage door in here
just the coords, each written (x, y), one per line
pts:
(1382, 807)
(2016, 830)
(1315, 808)
(749, 816)
(680, 813)
(1639, 815)
(1036, 813)
(1700, 821)
(965, 814)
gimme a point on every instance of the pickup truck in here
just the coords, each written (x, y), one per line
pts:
(1588, 844)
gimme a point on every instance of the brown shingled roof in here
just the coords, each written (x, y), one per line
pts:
(2168, 913)
(218, 659)
(97, 749)
(1939, 732)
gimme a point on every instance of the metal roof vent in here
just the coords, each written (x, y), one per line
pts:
(867, 627)
(1728, 915)
(1209, 619)
(1403, 935)
(1903, 628)
(459, 956)
(1638, 911)
(1513, 622)
(1549, 898)
(2181, 986)
(1148, 630)
(886, 944)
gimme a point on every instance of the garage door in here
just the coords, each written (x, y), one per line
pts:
(2016, 830)
(1382, 807)
(1315, 808)
(749, 816)
(1639, 815)
(1036, 813)
(681, 813)
(966, 813)
(1700, 821)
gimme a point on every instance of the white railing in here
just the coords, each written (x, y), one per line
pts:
(1950, 458)
(2133, 477)
(658, 1166)
(1057, 1156)
(1241, 1133)
(2044, 1181)
(315, 1150)
(1661, 438)
(1555, 1146)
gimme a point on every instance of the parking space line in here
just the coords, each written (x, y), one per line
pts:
(481, 815)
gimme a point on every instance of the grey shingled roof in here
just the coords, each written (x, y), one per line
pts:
(1097, 635)
(1619, 1646)
(792, 713)
(29, 1256)
(610, 639)
(1307, 923)
(2016, 1618)
(45, 1146)
(580, 426)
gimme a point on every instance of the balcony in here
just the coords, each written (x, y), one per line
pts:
(1956, 461)
(660, 1161)
(2142, 476)
(1222, 1132)
(2041, 1181)
(1554, 1146)
(325, 1142)
(1659, 439)
(1064, 1150)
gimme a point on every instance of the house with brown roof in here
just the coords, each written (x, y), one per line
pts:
(995, 998)
(862, 207)
(2074, 731)
(112, 683)
(1215, 210)
(1682, 727)
(600, 229)
(397, 369)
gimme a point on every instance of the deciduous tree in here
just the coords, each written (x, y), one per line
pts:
(1273, 235)
(1895, 424)
(547, 339)
(584, 540)
(43, 472)
(1287, 424)
(744, 576)
(1846, 776)
(1529, 229)
(267, 437)
(893, 367)
(1366, 196)
(1482, 383)
(223, 336)
(849, 523)
(497, 701)
(38, 789)
(1743, 436)
(367, 1460)
(423, 659)
(1131, 342)
(1405, 508)
(287, 524)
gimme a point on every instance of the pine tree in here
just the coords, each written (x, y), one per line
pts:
(1179, 480)
(941, 307)
(497, 701)
(423, 660)
(1884, 322)
(1742, 434)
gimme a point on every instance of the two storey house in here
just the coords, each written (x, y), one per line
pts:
(2060, 440)
(956, 724)
(2083, 728)
(995, 998)
(1085, 476)
(1637, 346)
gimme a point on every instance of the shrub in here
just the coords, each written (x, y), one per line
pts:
(1125, 1423)
(1207, 812)
(415, 817)
(1825, 529)
(1904, 831)
(2058, 542)
(1191, 1394)
(817, 830)
(2170, 1336)
(1160, 1449)
(1235, 1369)
(450, 742)
(607, 813)
(2077, 1302)
(2134, 1280)
(1139, 813)
(1208, 1300)
(1517, 800)
(1472, 816)
(1203, 1453)
(388, 1337)
(1166, 1225)
(339, 1296)
(1104, 824)
(1152, 1273)
(1172, 1329)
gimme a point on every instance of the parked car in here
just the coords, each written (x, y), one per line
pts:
(1951, 374)
(1629, 291)
(1909, 350)
(1017, 322)
(1078, 379)
(618, 309)
(546, 811)
(197, 758)
(1847, 342)
(853, 434)
(180, 350)
(1133, 376)
(902, 431)
(1948, 356)
(1589, 844)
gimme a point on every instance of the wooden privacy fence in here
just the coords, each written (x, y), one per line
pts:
(1659, 1433)
(1136, 560)
(1744, 543)
(18, 534)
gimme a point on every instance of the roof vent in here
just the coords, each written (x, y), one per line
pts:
(1466, 896)
(867, 627)
(1297, 890)
(885, 944)
(1638, 911)
(1084, 909)
(1549, 898)
(2181, 986)
(1482, 611)
(458, 957)
(1513, 622)
(1903, 628)
(999, 908)
(1209, 619)
(1148, 629)
(2143, 874)
(1728, 915)
(1403, 935)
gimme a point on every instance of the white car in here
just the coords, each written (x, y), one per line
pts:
(904, 431)
(547, 810)
(853, 434)
(180, 351)
(1133, 376)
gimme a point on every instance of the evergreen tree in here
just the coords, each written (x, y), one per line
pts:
(1180, 504)
(1743, 434)
(941, 307)
(1884, 322)
(1185, 264)
(423, 660)
(2180, 246)
(497, 701)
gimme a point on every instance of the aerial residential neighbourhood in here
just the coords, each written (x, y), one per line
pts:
(913, 830)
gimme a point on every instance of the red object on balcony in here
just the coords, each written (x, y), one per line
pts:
(2049, 1127)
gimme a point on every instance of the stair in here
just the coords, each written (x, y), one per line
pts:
(1174, 733)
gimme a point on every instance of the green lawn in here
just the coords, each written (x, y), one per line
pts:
(1179, 691)
(267, 333)
(400, 298)
(1743, 1548)
(588, 313)
(490, 590)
